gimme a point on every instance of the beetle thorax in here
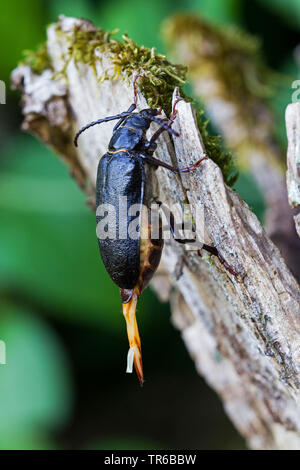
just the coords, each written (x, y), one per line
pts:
(130, 135)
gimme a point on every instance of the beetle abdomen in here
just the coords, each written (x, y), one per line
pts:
(120, 185)
(150, 250)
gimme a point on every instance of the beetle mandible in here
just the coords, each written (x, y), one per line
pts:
(123, 172)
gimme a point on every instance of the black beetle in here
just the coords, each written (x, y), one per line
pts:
(131, 262)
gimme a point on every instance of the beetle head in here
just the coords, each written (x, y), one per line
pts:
(150, 112)
(143, 119)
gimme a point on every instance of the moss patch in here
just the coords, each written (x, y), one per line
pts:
(223, 158)
(159, 75)
(157, 83)
(37, 60)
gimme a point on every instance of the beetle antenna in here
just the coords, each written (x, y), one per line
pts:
(164, 125)
(99, 121)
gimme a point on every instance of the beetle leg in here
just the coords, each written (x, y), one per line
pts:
(210, 249)
(138, 75)
(132, 107)
(158, 132)
(169, 123)
(154, 161)
(213, 251)
(171, 222)
(192, 167)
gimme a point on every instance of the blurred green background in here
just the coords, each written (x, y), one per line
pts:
(64, 384)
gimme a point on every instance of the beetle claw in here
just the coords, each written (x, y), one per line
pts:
(134, 353)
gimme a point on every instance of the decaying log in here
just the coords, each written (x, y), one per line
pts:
(243, 332)
(228, 76)
(292, 117)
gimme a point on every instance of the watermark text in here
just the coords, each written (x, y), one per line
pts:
(296, 93)
(137, 221)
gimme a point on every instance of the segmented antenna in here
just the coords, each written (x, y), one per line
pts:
(164, 125)
(99, 121)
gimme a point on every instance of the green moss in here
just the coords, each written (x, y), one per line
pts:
(159, 75)
(83, 42)
(157, 83)
(37, 60)
(159, 78)
(223, 158)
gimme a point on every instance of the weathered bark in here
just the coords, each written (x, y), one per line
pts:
(293, 159)
(228, 77)
(243, 332)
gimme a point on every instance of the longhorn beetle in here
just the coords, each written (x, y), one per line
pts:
(124, 172)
